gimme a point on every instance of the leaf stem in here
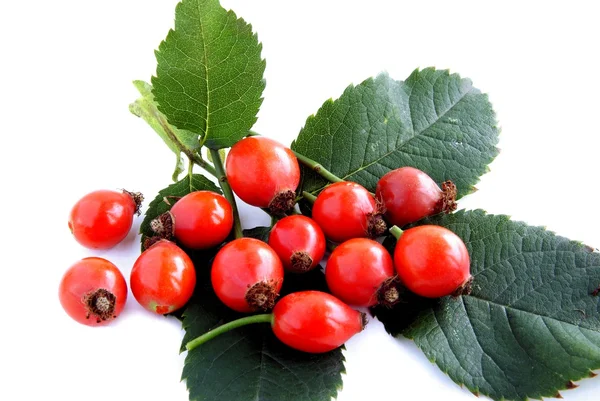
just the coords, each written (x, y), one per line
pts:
(309, 197)
(396, 232)
(311, 164)
(227, 192)
(196, 342)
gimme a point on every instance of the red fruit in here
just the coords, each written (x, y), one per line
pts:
(199, 220)
(346, 210)
(247, 275)
(360, 272)
(263, 173)
(409, 194)
(432, 261)
(163, 278)
(299, 242)
(313, 321)
(93, 291)
(102, 219)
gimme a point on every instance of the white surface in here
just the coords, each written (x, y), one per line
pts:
(66, 70)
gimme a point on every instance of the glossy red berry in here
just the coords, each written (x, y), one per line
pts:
(102, 219)
(199, 220)
(408, 194)
(432, 261)
(163, 278)
(263, 173)
(299, 242)
(247, 275)
(93, 291)
(346, 210)
(360, 272)
(316, 322)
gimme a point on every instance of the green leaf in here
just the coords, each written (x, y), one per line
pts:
(260, 232)
(209, 78)
(434, 121)
(168, 196)
(249, 363)
(531, 325)
(176, 139)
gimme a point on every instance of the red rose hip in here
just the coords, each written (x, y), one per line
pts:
(263, 173)
(247, 275)
(408, 195)
(299, 242)
(432, 261)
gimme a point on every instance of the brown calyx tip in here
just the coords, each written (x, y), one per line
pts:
(301, 262)
(363, 320)
(447, 202)
(282, 203)
(596, 292)
(100, 305)
(388, 293)
(149, 241)
(164, 225)
(465, 288)
(376, 226)
(138, 198)
(262, 296)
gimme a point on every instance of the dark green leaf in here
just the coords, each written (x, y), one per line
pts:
(434, 121)
(168, 196)
(209, 78)
(249, 363)
(531, 324)
(261, 233)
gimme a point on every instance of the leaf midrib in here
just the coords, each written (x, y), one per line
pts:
(205, 65)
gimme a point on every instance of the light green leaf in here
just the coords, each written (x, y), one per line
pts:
(209, 78)
(434, 121)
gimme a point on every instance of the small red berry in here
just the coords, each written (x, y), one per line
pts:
(360, 272)
(299, 242)
(409, 194)
(263, 173)
(315, 322)
(163, 278)
(346, 210)
(432, 261)
(247, 275)
(93, 291)
(102, 219)
(199, 220)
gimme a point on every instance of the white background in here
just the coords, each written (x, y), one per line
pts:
(65, 84)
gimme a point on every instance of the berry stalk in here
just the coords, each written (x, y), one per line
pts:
(396, 232)
(263, 318)
(227, 192)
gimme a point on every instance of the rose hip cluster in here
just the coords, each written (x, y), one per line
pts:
(247, 274)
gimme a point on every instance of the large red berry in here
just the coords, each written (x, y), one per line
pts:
(346, 210)
(201, 219)
(263, 173)
(313, 321)
(102, 219)
(432, 261)
(408, 194)
(93, 291)
(299, 242)
(360, 272)
(247, 275)
(163, 278)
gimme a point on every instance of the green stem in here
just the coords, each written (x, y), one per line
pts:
(227, 192)
(311, 164)
(396, 232)
(309, 197)
(264, 318)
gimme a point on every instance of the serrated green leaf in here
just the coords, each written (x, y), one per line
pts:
(168, 196)
(249, 363)
(209, 78)
(177, 140)
(434, 121)
(531, 324)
